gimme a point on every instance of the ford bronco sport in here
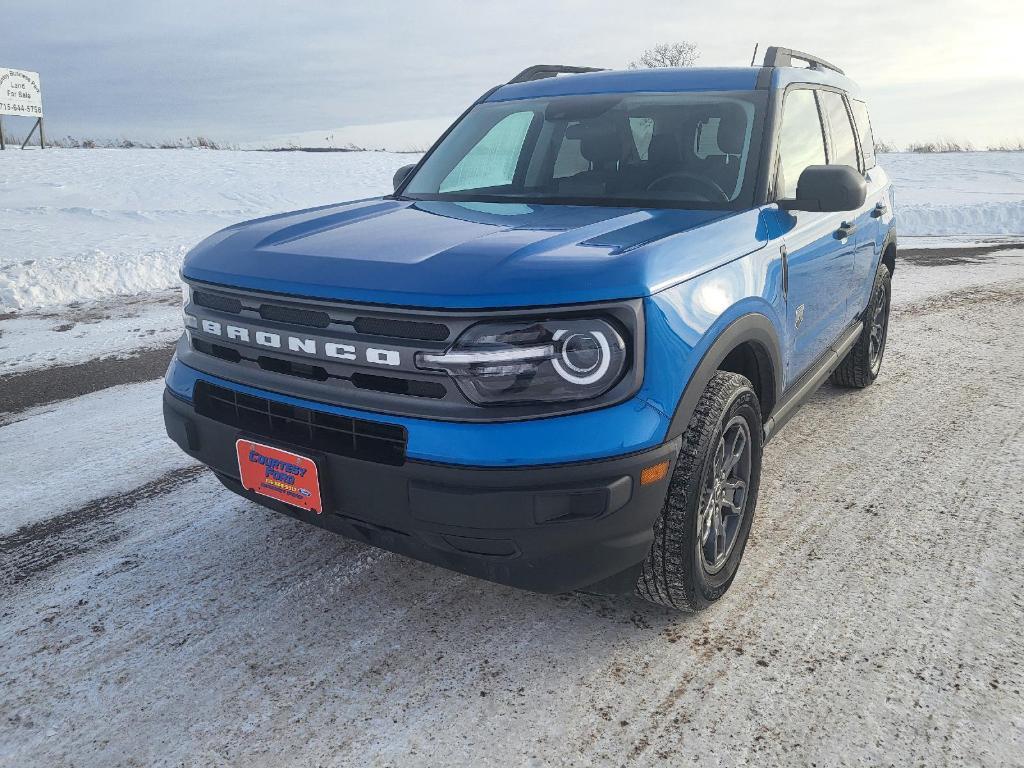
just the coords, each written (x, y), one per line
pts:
(552, 357)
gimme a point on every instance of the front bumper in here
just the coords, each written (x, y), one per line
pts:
(550, 528)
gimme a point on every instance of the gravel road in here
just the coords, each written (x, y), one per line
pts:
(876, 618)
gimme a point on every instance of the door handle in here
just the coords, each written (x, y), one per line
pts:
(846, 229)
(879, 211)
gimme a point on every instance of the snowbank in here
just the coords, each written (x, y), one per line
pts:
(403, 136)
(80, 225)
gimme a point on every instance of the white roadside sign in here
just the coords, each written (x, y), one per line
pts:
(20, 93)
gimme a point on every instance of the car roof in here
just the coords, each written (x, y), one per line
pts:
(671, 80)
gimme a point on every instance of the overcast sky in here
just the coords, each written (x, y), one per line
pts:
(252, 70)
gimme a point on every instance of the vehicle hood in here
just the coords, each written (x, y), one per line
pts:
(470, 255)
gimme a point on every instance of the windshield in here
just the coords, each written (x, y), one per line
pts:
(680, 150)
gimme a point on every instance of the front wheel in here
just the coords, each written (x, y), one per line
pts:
(703, 528)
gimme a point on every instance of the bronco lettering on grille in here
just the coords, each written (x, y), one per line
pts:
(300, 344)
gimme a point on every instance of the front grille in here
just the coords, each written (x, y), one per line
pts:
(401, 329)
(302, 427)
(392, 385)
(216, 301)
(224, 353)
(310, 317)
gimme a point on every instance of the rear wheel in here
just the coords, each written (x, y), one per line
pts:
(862, 364)
(702, 532)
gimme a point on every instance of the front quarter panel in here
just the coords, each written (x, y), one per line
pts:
(685, 321)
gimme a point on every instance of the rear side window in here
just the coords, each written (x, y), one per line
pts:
(492, 162)
(867, 138)
(801, 142)
(844, 145)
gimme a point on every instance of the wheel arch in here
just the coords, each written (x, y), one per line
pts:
(748, 346)
(888, 251)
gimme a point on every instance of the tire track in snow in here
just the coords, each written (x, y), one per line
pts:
(39, 546)
(21, 391)
(952, 256)
(1003, 295)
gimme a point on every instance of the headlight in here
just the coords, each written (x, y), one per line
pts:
(545, 361)
(186, 297)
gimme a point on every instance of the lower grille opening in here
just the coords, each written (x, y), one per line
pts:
(216, 350)
(277, 365)
(303, 427)
(390, 384)
(394, 386)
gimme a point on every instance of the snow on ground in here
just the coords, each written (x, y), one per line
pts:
(105, 328)
(60, 457)
(874, 621)
(960, 241)
(80, 225)
(914, 283)
(958, 193)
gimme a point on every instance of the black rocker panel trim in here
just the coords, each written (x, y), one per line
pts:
(811, 379)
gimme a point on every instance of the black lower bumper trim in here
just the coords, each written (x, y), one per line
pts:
(545, 528)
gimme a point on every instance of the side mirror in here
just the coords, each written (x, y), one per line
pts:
(401, 175)
(828, 188)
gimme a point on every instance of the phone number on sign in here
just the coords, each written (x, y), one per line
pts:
(27, 109)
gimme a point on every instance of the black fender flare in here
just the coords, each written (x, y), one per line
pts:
(890, 240)
(754, 328)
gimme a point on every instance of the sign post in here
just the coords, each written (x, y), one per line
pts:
(21, 96)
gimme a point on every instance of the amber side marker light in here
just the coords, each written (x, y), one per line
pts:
(654, 473)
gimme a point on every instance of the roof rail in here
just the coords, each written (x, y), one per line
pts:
(783, 57)
(541, 71)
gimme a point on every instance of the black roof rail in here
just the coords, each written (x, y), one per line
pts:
(541, 71)
(783, 57)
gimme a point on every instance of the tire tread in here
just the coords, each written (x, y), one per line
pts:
(665, 578)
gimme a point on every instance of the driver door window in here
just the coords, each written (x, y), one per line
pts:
(801, 141)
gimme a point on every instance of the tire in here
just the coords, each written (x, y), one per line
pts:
(678, 572)
(863, 362)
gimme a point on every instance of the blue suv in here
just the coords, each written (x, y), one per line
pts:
(553, 356)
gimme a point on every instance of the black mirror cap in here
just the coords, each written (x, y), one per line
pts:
(828, 188)
(402, 174)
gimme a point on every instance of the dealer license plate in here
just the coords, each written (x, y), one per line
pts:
(280, 475)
